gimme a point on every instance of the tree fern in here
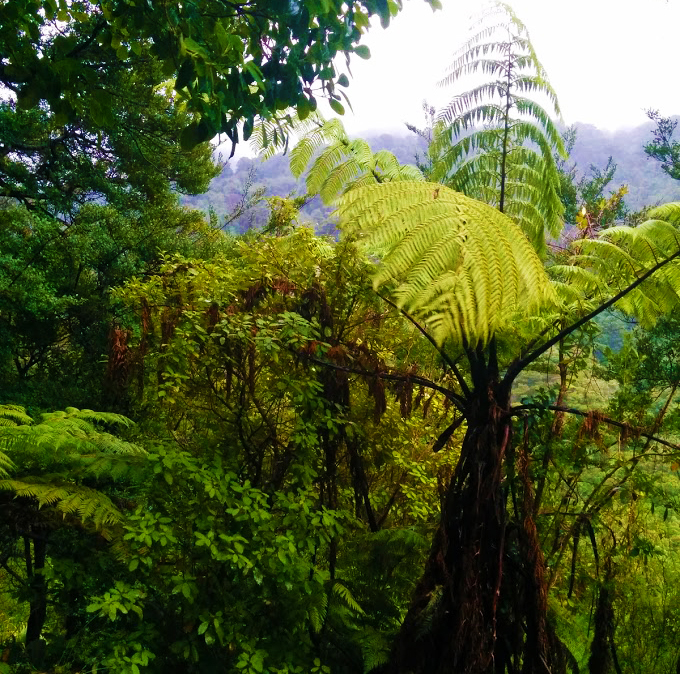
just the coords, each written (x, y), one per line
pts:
(49, 459)
(509, 162)
(621, 255)
(460, 265)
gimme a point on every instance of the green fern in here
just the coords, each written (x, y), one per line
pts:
(84, 503)
(339, 163)
(273, 135)
(375, 648)
(317, 610)
(620, 255)
(14, 415)
(341, 591)
(509, 163)
(458, 264)
(51, 457)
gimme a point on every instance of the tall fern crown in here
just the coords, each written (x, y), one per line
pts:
(494, 142)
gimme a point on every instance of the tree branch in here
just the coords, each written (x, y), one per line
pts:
(607, 420)
(457, 400)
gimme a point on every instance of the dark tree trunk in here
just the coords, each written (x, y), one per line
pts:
(452, 623)
(481, 604)
(38, 602)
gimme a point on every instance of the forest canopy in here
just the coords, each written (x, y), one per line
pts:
(433, 431)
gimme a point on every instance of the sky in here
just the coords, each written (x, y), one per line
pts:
(608, 60)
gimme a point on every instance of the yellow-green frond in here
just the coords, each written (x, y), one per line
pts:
(14, 415)
(83, 503)
(458, 264)
(621, 255)
(339, 164)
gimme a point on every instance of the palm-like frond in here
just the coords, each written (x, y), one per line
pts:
(47, 460)
(329, 132)
(620, 256)
(273, 135)
(458, 264)
(67, 498)
(518, 132)
(14, 415)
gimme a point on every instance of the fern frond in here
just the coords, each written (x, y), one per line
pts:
(317, 609)
(338, 179)
(669, 213)
(272, 135)
(341, 164)
(621, 255)
(301, 155)
(460, 265)
(375, 648)
(87, 505)
(519, 136)
(14, 415)
(341, 591)
(6, 465)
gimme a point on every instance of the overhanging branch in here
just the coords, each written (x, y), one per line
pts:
(605, 420)
(457, 400)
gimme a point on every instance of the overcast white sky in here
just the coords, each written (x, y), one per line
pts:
(608, 60)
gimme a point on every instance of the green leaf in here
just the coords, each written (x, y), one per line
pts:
(186, 74)
(193, 135)
(337, 106)
(343, 81)
(248, 128)
(362, 51)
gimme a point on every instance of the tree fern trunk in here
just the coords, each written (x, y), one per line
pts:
(481, 604)
(38, 602)
(451, 625)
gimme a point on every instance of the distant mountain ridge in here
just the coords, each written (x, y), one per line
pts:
(647, 183)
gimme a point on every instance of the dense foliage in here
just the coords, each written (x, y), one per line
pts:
(442, 439)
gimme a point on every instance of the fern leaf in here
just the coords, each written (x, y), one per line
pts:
(457, 263)
(341, 591)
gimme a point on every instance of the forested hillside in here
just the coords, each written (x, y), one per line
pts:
(439, 434)
(647, 184)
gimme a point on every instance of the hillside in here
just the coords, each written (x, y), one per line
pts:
(647, 183)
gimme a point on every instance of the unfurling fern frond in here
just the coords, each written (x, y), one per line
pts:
(456, 263)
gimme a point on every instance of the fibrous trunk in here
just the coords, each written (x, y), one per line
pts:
(483, 588)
